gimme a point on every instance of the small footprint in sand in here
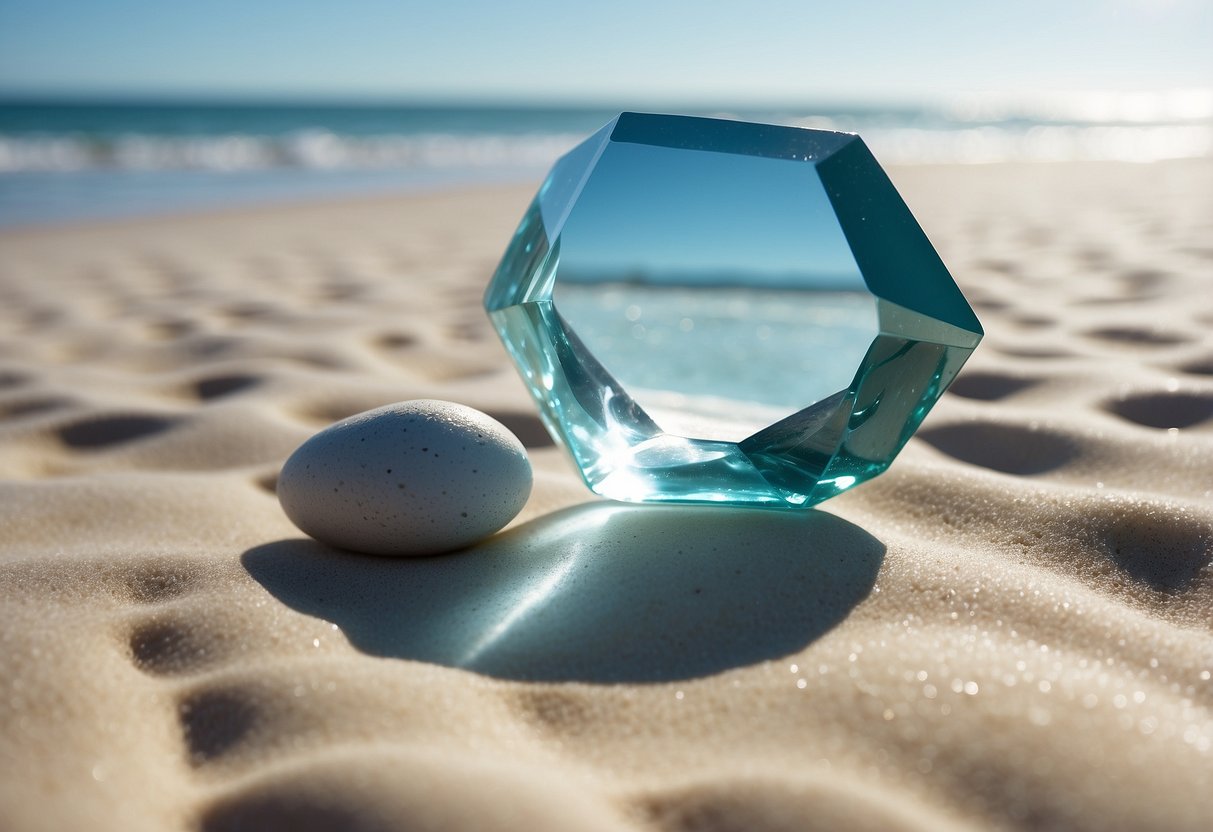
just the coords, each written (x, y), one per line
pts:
(1009, 449)
(216, 387)
(166, 640)
(1164, 409)
(174, 644)
(169, 641)
(12, 378)
(750, 803)
(1132, 337)
(156, 583)
(1035, 353)
(216, 720)
(1155, 545)
(1199, 367)
(989, 386)
(395, 341)
(96, 432)
(33, 406)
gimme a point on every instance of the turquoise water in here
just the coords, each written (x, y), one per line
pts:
(64, 160)
(717, 288)
(722, 363)
(71, 161)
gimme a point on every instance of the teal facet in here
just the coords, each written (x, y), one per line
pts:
(711, 311)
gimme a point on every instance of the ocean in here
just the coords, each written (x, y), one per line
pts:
(64, 161)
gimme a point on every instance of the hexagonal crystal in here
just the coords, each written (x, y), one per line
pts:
(721, 312)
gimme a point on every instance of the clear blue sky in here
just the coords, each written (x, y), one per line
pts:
(613, 50)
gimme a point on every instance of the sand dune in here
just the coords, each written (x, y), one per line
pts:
(1010, 629)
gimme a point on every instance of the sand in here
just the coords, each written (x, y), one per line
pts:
(1010, 629)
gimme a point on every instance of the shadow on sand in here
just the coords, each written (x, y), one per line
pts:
(601, 592)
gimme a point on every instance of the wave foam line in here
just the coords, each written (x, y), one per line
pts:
(324, 150)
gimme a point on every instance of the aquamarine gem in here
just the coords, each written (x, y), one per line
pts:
(712, 311)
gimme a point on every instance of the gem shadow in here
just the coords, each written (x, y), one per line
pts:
(600, 593)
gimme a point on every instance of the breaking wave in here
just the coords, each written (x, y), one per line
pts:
(305, 149)
(326, 150)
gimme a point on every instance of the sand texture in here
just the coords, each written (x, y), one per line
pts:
(1010, 629)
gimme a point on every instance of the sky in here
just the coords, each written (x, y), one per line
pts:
(623, 50)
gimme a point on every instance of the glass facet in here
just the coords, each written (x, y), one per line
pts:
(712, 311)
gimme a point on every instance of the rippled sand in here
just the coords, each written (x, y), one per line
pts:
(1009, 629)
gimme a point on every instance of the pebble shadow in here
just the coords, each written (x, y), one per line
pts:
(600, 592)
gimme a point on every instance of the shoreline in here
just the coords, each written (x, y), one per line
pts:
(511, 181)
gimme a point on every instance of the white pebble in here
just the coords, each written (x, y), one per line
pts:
(413, 478)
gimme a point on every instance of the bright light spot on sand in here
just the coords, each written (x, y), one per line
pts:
(100, 773)
(794, 668)
(529, 601)
(801, 683)
(971, 688)
(678, 695)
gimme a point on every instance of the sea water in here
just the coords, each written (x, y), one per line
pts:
(63, 160)
(722, 363)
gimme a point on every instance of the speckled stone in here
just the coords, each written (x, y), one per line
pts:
(412, 478)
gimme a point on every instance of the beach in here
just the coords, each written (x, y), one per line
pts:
(1010, 629)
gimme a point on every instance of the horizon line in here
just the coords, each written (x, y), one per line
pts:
(460, 99)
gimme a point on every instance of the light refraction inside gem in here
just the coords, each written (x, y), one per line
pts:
(714, 311)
